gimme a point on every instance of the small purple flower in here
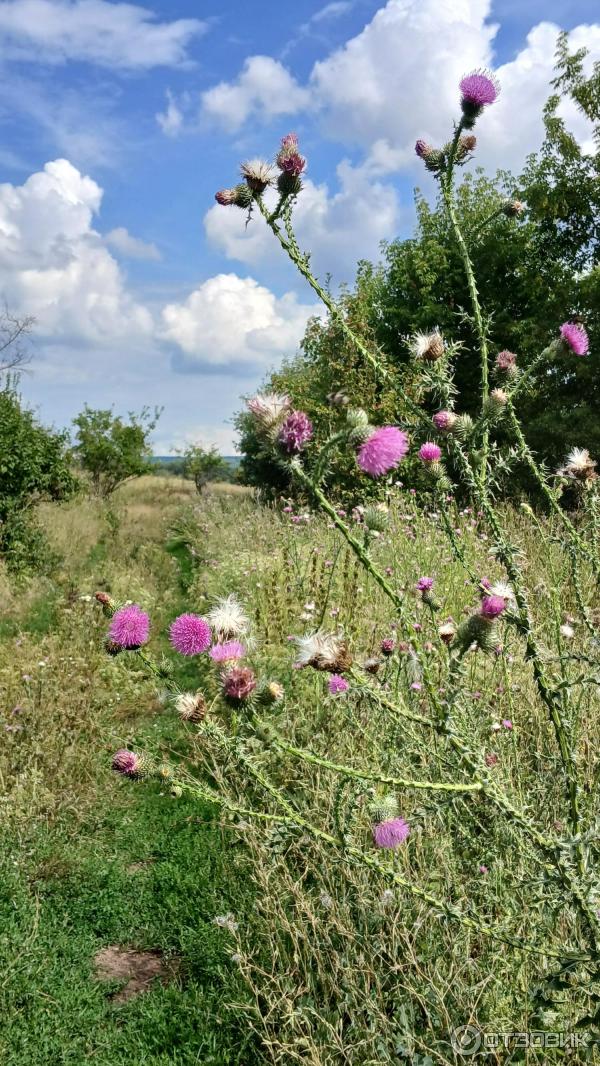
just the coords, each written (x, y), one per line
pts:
(382, 450)
(239, 683)
(492, 607)
(422, 148)
(126, 762)
(129, 627)
(479, 88)
(506, 360)
(387, 646)
(506, 722)
(190, 634)
(575, 337)
(483, 869)
(424, 584)
(225, 197)
(296, 431)
(444, 420)
(223, 653)
(337, 685)
(430, 452)
(391, 833)
(416, 686)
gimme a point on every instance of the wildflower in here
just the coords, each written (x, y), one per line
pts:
(230, 650)
(288, 158)
(492, 606)
(268, 407)
(466, 144)
(433, 158)
(507, 724)
(228, 618)
(296, 431)
(271, 692)
(444, 420)
(447, 631)
(498, 398)
(337, 685)
(387, 646)
(503, 590)
(567, 631)
(424, 584)
(129, 763)
(190, 634)
(382, 450)
(239, 683)
(190, 706)
(323, 651)
(416, 686)
(506, 362)
(226, 921)
(130, 627)
(430, 452)
(483, 869)
(579, 465)
(513, 208)
(391, 833)
(428, 346)
(422, 148)
(240, 196)
(258, 174)
(371, 666)
(478, 89)
(225, 197)
(574, 338)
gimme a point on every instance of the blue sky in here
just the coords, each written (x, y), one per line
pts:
(119, 122)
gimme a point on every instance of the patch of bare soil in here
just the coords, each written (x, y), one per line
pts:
(136, 969)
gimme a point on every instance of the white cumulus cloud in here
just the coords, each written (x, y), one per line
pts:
(229, 320)
(116, 35)
(263, 87)
(55, 266)
(129, 246)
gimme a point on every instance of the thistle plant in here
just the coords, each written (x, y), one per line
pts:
(413, 696)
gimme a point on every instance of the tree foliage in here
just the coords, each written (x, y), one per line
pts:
(111, 450)
(202, 465)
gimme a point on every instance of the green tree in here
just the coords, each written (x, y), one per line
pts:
(203, 465)
(34, 466)
(111, 450)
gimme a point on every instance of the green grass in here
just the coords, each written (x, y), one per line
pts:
(88, 861)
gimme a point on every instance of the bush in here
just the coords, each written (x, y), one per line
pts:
(111, 450)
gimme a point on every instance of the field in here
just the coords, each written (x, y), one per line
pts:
(257, 945)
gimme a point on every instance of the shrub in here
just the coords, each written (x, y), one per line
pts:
(111, 450)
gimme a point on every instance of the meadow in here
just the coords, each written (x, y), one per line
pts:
(257, 942)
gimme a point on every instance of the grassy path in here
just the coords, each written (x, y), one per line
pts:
(87, 861)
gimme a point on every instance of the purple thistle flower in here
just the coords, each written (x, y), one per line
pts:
(422, 148)
(382, 450)
(126, 762)
(130, 627)
(506, 360)
(444, 420)
(225, 197)
(337, 685)
(492, 607)
(239, 683)
(190, 634)
(387, 646)
(430, 452)
(391, 833)
(506, 722)
(296, 431)
(479, 88)
(574, 335)
(424, 584)
(231, 649)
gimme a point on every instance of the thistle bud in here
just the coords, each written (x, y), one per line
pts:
(383, 807)
(465, 146)
(270, 692)
(428, 346)
(463, 427)
(447, 631)
(358, 421)
(506, 363)
(191, 707)
(444, 420)
(289, 184)
(176, 791)
(495, 404)
(376, 519)
(372, 665)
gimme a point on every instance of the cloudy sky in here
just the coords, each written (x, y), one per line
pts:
(120, 121)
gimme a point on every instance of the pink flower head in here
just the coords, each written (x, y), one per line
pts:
(223, 653)
(506, 722)
(444, 420)
(387, 646)
(239, 683)
(479, 88)
(492, 607)
(424, 584)
(491, 759)
(574, 335)
(130, 627)
(430, 452)
(382, 450)
(126, 762)
(422, 148)
(337, 684)
(391, 833)
(296, 431)
(190, 634)
(506, 360)
(288, 158)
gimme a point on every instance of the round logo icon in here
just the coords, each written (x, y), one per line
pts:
(466, 1040)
